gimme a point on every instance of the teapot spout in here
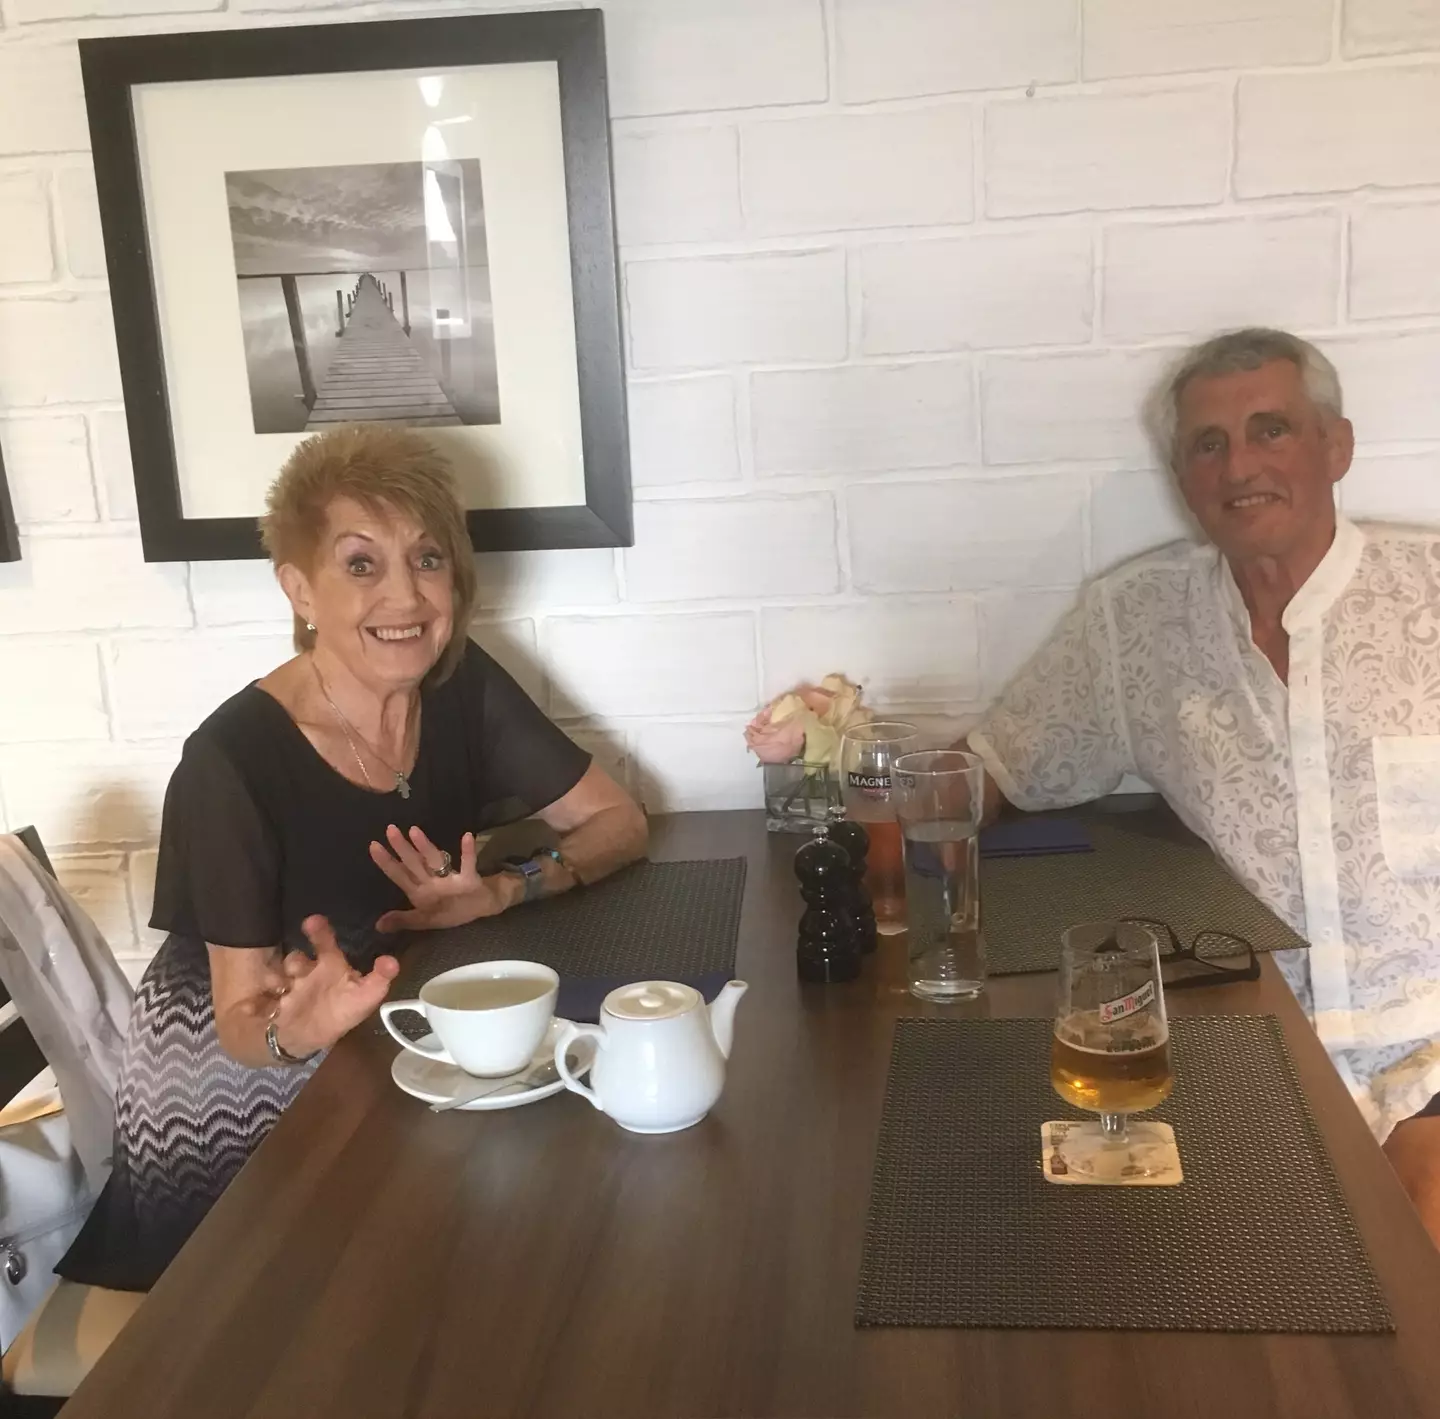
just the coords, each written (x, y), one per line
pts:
(722, 1014)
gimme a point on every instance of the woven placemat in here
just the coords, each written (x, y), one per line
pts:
(671, 920)
(964, 1230)
(1026, 902)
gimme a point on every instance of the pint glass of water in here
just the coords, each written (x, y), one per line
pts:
(939, 797)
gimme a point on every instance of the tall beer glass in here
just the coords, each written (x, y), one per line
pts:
(1110, 1052)
(939, 797)
(866, 754)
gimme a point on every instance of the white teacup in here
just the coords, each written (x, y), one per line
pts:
(489, 1017)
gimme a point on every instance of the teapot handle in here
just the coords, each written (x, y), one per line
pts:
(568, 1036)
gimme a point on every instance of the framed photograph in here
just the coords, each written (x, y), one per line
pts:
(403, 222)
(9, 536)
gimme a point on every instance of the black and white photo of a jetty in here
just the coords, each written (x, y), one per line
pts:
(365, 295)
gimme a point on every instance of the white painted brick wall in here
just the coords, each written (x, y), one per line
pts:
(1393, 270)
(1390, 26)
(897, 48)
(650, 665)
(1107, 151)
(1326, 132)
(80, 223)
(864, 418)
(697, 767)
(90, 583)
(741, 547)
(1281, 271)
(904, 169)
(905, 652)
(897, 274)
(1133, 510)
(58, 349)
(967, 535)
(1012, 628)
(684, 58)
(1402, 488)
(781, 306)
(1060, 407)
(1020, 288)
(676, 184)
(97, 882)
(1176, 36)
(42, 103)
(26, 254)
(1390, 384)
(52, 692)
(683, 431)
(198, 672)
(47, 461)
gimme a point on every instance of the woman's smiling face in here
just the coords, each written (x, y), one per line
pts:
(380, 594)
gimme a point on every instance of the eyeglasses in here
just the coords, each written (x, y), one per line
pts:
(1213, 958)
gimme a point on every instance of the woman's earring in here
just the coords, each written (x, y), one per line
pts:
(309, 625)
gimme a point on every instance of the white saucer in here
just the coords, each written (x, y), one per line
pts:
(436, 1082)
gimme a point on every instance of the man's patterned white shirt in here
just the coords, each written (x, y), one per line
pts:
(1322, 796)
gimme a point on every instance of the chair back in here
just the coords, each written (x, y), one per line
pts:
(21, 1058)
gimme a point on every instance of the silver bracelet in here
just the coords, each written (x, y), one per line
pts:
(278, 1052)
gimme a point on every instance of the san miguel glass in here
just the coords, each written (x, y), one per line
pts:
(867, 752)
(1110, 1053)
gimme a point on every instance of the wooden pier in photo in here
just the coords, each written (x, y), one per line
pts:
(377, 375)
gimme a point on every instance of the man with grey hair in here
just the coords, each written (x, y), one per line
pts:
(1281, 688)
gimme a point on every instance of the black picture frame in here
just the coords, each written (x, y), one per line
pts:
(573, 40)
(9, 533)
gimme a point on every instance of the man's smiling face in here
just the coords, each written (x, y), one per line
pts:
(1258, 461)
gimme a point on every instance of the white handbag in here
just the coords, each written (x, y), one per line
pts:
(44, 1200)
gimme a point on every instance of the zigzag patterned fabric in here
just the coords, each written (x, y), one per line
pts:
(187, 1116)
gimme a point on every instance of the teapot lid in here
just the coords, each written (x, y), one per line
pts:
(652, 1000)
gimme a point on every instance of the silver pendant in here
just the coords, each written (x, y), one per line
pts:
(402, 785)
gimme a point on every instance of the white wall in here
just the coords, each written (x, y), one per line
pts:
(896, 272)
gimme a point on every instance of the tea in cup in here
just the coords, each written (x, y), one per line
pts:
(489, 1018)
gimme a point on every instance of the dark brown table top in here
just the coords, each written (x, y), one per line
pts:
(374, 1258)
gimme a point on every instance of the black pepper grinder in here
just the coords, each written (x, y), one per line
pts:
(856, 842)
(829, 946)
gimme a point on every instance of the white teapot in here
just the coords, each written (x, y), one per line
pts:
(660, 1058)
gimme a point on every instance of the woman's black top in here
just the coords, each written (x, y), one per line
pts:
(259, 832)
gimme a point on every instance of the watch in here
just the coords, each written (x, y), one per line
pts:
(529, 869)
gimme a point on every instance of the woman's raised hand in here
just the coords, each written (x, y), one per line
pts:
(327, 997)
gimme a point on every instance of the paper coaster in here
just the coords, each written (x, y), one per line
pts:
(1071, 1152)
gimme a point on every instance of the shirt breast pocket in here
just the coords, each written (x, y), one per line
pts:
(1407, 795)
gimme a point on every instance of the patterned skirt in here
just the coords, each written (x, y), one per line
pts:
(187, 1116)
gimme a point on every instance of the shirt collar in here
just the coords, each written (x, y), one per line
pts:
(1323, 586)
(1320, 590)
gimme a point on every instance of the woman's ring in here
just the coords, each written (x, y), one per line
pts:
(445, 868)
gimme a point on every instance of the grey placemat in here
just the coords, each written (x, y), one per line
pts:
(664, 919)
(1026, 902)
(964, 1230)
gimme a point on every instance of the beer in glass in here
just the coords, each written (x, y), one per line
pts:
(1110, 1052)
(866, 754)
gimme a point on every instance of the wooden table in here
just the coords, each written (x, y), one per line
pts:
(374, 1258)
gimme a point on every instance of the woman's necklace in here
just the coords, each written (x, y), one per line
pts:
(401, 784)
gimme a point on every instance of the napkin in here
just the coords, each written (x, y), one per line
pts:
(1034, 837)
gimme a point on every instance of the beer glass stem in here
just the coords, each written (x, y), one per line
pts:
(1113, 1127)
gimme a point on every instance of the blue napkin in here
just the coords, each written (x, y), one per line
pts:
(1034, 837)
(581, 997)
